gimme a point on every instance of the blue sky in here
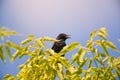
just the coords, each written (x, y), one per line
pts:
(51, 17)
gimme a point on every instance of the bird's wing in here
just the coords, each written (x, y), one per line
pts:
(58, 46)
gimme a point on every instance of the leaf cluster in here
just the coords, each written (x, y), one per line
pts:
(45, 64)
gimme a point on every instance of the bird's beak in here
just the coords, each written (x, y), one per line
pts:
(68, 36)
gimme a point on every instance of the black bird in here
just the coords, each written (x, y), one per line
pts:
(58, 46)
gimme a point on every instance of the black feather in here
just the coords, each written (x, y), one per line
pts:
(58, 46)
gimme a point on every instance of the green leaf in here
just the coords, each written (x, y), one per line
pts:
(81, 53)
(75, 58)
(102, 55)
(21, 66)
(98, 60)
(98, 42)
(14, 32)
(73, 45)
(49, 39)
(102, 33)
(103, 30)
(15, 55)
(26, 41)
(69, 48)
(111, 59)
(64, 61)
(82, 63)
(40, 43)
(111, 45)
(89, 44)
(93, 34)
(105, 49)
(51, 52)
(23, 54)
(94, 50)
(118, 74)
(102, 44)
(29, 39)
(8, 51)
(60, 71)
(2, 53)
(27, 48)
(4, 32)
(105, 59)
(90, 64)
(76, 74)
(8, 77)
(30, 36)
(13, 45)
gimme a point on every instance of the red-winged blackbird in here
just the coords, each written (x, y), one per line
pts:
(58, 46)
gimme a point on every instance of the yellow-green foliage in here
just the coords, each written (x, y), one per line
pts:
(45, 64)
(4, 32)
